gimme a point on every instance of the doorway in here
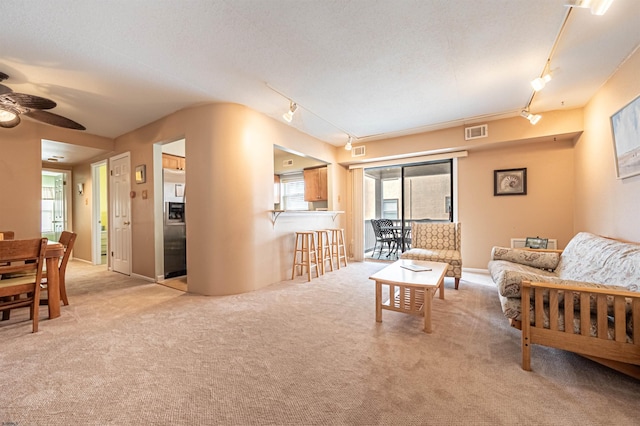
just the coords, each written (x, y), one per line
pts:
(100, 215)
(402, 195)
(120, 213)
(170, 213)
(55, 215)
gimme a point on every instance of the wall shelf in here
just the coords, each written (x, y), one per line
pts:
(275, 214)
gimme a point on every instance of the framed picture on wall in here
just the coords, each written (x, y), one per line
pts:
(510, 182)
(625, 126)
(141, 173)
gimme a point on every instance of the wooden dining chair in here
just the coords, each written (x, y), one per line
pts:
(6, 235)
(24, 258)
(67, 239)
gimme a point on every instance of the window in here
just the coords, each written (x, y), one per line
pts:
(390, 209)
(391, 194)
(293, 192)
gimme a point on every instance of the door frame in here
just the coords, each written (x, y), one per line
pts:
(96, 236)
(158, 212)
(68, 180)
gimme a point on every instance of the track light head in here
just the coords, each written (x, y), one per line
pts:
(539, 83)
(598, 7)
(533, 118)
(288, 116)
(348, 145)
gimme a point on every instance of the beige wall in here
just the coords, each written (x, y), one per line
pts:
(546, 210)
(82, 212)
(21, 172)
(546, 150)
(559, 124)
(232, 244)
(604, 204)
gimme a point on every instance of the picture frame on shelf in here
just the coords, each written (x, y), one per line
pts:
(510, 182)
(536, 243)
(625, 129)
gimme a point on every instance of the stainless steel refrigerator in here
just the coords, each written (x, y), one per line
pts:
(175, 235)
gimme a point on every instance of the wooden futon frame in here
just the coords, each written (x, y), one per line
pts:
(603, 317)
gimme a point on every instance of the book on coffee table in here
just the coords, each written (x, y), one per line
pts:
(415, 268)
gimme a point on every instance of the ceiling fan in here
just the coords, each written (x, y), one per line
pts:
(13, 104)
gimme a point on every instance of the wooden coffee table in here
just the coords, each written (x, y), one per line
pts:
(410, 292)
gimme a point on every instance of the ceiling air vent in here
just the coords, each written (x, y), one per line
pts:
(358, 151)
(476, 132)
(287, 163)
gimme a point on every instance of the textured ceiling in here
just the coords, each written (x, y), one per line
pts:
(369, 68)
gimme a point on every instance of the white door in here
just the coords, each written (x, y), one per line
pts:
(120, 184)
(55, 215)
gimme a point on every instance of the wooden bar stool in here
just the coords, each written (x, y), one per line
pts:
(306, 247)
(338, 250)
(324, 250)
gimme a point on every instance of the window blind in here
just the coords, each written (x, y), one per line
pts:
(293, 192)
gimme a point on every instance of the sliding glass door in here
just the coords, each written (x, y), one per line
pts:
(402, 195)
(428, 192)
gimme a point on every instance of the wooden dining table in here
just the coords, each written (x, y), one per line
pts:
(54, 252)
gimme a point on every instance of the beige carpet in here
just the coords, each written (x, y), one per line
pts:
(296, 353)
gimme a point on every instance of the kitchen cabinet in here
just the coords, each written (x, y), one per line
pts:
(315, 184)
(173, 162)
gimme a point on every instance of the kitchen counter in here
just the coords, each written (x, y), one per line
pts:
(276, 213)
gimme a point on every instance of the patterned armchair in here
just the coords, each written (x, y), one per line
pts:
(437, 242)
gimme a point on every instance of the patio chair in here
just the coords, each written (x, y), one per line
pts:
(382, 237)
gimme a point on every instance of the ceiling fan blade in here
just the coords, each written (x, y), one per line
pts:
(30, 101)
(4, 89)
(10, 124)
(54, 119)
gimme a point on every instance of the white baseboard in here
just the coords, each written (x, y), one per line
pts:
(476, 270)
(143, 277)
